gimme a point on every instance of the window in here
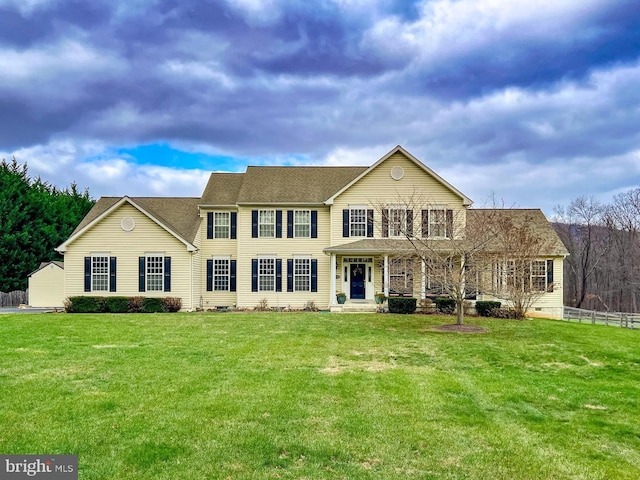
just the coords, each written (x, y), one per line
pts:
(155, 273)
(302, 274)
(302, 223)
(100, 273)
(221, 274)
(266, 274)
(397, 221)
(531, 276)
(221, 224)
(401, 276)
(437, 223)
(267, 223)
(358, 222)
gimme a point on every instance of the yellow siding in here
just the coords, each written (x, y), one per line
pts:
(108, 237)
(282, 248)
(378, 188)
(46, 287)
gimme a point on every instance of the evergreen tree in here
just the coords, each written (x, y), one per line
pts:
(35, 217)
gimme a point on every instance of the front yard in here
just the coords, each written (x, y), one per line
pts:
(277, 396)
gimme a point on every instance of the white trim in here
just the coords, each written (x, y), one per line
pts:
(63, 247)
(466, 201)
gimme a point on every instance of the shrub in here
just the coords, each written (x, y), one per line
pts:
(484, 307)
(152, 305)
(402, 304)
(263, 305)
(83, 304)
(172, 304)
(445, 305)
(310, 306)
(135, 304)
(508, 313)
(116, 304)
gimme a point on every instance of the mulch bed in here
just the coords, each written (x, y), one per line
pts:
(459, 328)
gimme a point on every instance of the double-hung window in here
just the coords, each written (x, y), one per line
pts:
(437, 223)
(100, 273)
(221, 224)
(302, 223)
(221, 275)
(155, 273)
(266, 274)
(267, 223)
(397, 216)
(401, 276)
(358, 222)
(302, 274)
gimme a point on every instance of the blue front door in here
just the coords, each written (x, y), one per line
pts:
(357, 281)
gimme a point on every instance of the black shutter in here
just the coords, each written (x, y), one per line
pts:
(232, 275)
(209, 224)
(385, 223)
(112, 274)
(87, 274)
(254, 274)
(278, 274)
(425, 223)
(167, 274)
(345, 222)
(289, 223)
(234, 225)
(549, 275)
(449, 223)
(410, 223)
(254, 223)
(209, 275)
(141, 274)
(289, 275)
(278, 223)
(314, 224)
(314, 275)
(370, 223)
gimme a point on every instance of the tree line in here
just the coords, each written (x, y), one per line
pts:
(35, 218)
(602, 271)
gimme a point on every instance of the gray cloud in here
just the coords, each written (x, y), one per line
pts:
(534, 88)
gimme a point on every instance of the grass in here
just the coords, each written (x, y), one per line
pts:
(268, 396)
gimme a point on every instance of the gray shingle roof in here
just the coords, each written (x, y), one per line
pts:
(264, 185)
(179, 214)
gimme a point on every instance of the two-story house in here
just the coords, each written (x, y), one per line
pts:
(286, 236)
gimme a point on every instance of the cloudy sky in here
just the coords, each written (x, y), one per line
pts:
(532, 101)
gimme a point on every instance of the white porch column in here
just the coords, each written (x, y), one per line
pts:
(423, 288)
(386, 275)
(332, 299)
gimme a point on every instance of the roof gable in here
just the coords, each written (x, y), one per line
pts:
(178, 216)
(398, 149)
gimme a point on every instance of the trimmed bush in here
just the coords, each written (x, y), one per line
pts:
(508, 313)
(445, 305)
(172, 304)
(484, 307)
(135, 304)
(84, 304)
(117, 304)
(402, 305)
(152, 305)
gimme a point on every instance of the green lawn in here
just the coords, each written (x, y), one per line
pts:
(267, 396)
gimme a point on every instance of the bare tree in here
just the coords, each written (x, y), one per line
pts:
(520, 273)
(468, 251)
(582, 230)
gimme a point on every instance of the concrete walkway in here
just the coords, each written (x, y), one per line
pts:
(26, 310)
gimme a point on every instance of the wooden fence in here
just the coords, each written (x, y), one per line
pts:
(13, 299)
(616, 319)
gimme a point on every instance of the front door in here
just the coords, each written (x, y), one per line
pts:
(357, 281)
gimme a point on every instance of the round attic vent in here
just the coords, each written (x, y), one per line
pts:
(397, 173)
(128, 224)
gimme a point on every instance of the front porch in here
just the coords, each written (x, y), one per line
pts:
(355, 306)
